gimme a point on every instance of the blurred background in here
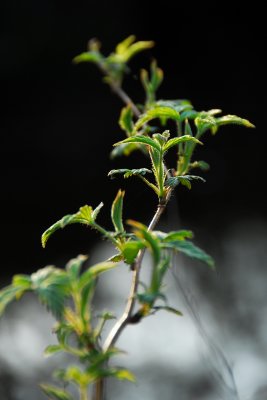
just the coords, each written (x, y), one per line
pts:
(58, 124)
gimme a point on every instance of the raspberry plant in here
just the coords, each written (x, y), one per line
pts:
(69, 293)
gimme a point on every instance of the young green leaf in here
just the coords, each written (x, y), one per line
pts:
(126, 120)
(188, 248)
(157, 112)
(9, 294)
(178, 235)
(116, 212)
(178, 140)
(94, 271)
(88, 56)
(55, 393)
(169, 309)
(199, 164)
(233, 119)
(148, 238)
(123, 374)
(140, 139)
(130, 250)
(177, 105)
(53, 349)
(86, 215)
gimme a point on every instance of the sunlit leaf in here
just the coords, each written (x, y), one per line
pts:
(175, 141)
(233, 119)
(53, 349)
(86, 215)
(116, 212)
(177, 105)
(157, 112)
(94, 271)
(88, 56)
(124, 374)
(74, 266)
(55, 393)
(130, 250)
(140, 139)
(149, 239)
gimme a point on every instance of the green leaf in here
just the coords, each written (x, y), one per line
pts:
(188, 248)
(53, 349)
(127, 49)
(141, 139)
(86, 215)
(9, 294)
(130, 250)
(129, 172)
(178, 235)
(149, 239)
(124, 374)
(116, 212)
(88, 56)
(74, 266)
(126, 119)
(178, 140)
(55, 393)
(92, 272)
(124, 149)
(233, 119)
(52, 286)
(169, 309)
(157, 112)
(200, 164)
(177, 105)
(184, 180)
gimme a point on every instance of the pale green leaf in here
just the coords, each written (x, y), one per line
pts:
(178, 235)
(9, 294)
(92, 272)
(53, 349)
(169, 309)
(177, 105)
(88, 56)
(233, 119)
(55, 393)
(124, 374)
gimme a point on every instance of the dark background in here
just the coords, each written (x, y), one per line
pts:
(59, 120)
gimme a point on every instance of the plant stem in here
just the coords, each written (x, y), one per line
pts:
(126, 316)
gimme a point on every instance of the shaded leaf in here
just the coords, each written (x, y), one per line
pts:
(124, 149)
(184, 180)
(169, 309)
(200, 164)
(116, 212)
(55, 393)
(190, 250)
(126, 119)
(178, 235)
(129, 172)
